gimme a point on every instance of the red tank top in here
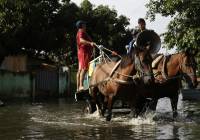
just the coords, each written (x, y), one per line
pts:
(81, 47)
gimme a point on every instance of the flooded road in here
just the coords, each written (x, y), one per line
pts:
(64, 120)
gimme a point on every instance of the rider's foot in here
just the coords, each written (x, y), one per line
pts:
(81, 88)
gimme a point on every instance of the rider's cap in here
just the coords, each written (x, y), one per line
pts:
(141, 20)
(80, 23)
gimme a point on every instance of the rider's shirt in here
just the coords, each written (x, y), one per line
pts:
(84, 51)
(132, 42)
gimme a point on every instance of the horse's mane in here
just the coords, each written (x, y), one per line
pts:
(128, 58)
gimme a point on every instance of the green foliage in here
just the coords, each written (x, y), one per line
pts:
(11, 14)
(108, 29)
(47, 28)
(184, 29)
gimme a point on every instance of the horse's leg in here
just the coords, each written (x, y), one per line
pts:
(134, 111)
(174, 102)
(132, 107)
(134, 104)
(136, 107)
(93, 99)
(100, 104)
(142, 106)
(104, 105)
(153, 104)
(110, 104)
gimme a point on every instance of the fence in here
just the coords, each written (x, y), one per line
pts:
(40, 83)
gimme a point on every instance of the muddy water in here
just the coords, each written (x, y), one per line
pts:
(64, 120)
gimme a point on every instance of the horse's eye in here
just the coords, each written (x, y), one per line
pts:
(187, 64)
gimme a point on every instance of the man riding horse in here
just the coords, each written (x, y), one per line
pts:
(114, 79)
(142, 27)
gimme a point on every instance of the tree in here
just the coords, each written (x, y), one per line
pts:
(184, 29)
(47, 27)
(103, 24)
(106, 27)
(28, 24)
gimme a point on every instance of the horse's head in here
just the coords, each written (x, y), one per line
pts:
(188, 67)
(143, 62)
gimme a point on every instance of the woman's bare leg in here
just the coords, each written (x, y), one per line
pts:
(78, 79)
(82, 76)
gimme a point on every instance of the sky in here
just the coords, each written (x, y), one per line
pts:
(134, 9)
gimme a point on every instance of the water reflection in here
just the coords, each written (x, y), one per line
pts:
(64, 120)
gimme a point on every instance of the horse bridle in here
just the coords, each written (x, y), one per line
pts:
(139, 67)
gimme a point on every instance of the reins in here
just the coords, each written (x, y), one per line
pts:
(101, 48)
(104, 59)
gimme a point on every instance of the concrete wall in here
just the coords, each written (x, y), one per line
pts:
(15, 84)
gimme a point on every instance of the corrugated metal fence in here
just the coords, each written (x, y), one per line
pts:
(47, 80)
(41, 83)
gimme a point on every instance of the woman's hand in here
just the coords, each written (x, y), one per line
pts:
(93, 44)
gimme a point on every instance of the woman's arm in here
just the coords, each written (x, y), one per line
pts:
(85, 42)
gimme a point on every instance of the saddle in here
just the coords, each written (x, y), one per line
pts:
(160, 75)
(156, 61)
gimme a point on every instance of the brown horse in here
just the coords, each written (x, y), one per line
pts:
(169, 72)
(110, 79)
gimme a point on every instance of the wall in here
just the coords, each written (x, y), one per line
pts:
(44, 83)
(15, 84)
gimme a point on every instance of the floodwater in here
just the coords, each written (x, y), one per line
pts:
(64, 120)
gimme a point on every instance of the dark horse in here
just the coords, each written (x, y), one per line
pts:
(113, 78)
(168, 74)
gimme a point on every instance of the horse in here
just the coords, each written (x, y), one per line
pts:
(169, 72)
(110, 79)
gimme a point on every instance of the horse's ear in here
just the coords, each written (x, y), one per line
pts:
(191, 51)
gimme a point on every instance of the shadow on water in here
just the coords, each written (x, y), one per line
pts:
(64, 119)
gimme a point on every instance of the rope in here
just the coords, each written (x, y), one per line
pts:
(101, 48)
(104, 56)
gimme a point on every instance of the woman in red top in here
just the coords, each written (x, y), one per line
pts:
(85, 47)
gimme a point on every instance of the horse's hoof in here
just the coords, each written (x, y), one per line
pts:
(108, 118)
(103, 113)
(89, 108)
(175, 114)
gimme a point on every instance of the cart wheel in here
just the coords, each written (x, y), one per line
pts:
(89, 108)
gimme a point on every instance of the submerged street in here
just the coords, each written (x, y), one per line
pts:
(64, 119)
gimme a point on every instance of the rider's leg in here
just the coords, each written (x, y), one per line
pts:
(78, 79)
(82, 76)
